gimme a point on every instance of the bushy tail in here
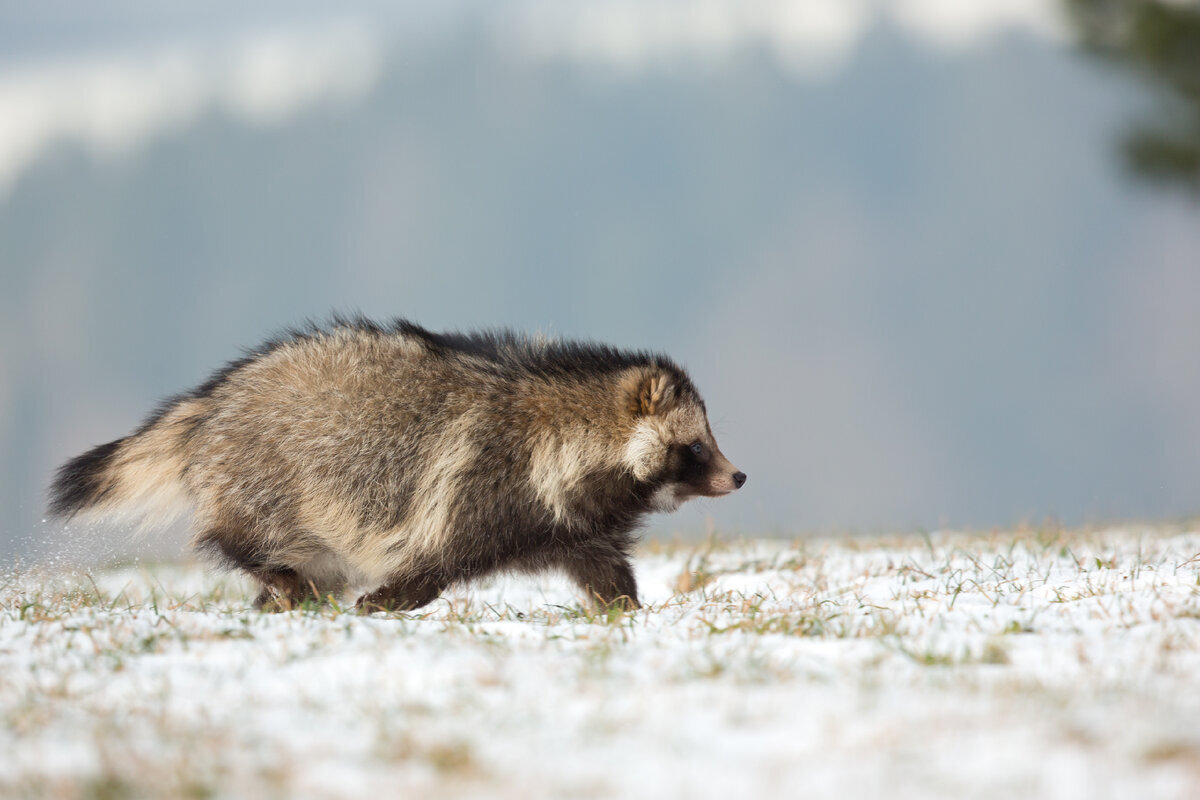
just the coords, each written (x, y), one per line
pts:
(83, 482)
(140, 476)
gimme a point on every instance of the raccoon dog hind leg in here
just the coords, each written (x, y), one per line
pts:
(149, 479)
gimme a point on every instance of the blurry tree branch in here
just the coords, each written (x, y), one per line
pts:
(1159, 40)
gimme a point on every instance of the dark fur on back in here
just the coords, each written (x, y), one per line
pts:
(391, 456)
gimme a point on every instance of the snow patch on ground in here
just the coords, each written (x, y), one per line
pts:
(1030, 663)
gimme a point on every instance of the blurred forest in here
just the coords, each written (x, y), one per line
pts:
(1160, 42)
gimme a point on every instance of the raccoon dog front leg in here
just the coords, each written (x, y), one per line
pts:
(402, 593)
(606, 580)
(282, 589)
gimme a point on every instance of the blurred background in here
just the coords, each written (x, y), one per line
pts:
(932, 263)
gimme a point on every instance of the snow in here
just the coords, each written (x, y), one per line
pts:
(1037, 663)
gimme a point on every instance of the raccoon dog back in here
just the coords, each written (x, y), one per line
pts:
(402, 460)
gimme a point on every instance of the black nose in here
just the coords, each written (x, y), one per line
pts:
(738, 479)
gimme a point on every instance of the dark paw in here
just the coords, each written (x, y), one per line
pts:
(370, 603)
(391, 599)
(271, 603)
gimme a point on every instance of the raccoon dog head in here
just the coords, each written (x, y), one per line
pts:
(672, 445)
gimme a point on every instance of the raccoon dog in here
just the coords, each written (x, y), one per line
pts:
(402, 460)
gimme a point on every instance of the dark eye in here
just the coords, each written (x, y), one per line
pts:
(698, 448)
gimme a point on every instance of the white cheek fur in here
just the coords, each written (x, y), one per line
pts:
(665, 498)
(645, 452)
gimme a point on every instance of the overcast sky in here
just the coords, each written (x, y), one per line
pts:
(893, 242)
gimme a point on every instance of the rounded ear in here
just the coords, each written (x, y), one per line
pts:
(653, 394)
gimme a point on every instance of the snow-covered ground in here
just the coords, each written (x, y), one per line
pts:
(1031, 664)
